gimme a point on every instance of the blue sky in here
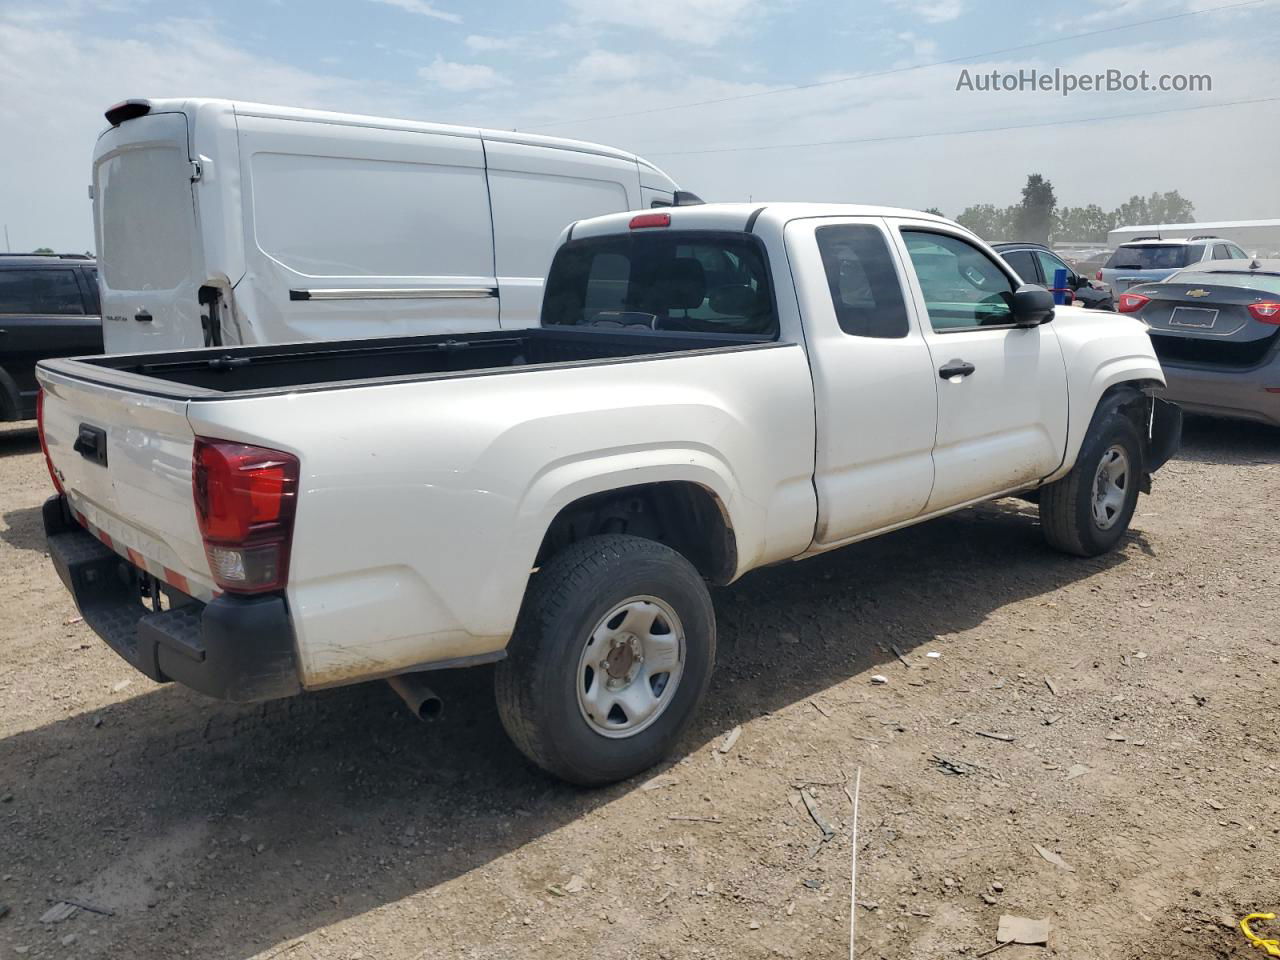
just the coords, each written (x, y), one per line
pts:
(537, 65)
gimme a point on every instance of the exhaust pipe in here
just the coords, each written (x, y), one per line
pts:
(423, 702)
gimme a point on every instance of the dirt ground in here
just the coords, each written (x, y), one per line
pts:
(1134, 697)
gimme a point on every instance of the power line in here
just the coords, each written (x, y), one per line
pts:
(957, 133)
(896, 70)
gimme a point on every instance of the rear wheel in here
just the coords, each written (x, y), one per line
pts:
(609, 661)
(1088, 511)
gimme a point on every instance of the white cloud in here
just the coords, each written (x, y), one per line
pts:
(423, 9)
(932, 11)
(698, 22)
(922, 48)
(486, 44)
(605, 66)
(461, 77)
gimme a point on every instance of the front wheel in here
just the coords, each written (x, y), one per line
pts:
(1088, 511)
(610, 659)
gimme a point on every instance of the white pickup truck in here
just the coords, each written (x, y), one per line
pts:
(711, 389)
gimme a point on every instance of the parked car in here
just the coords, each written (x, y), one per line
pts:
(48, 308)
(1216, 330)
(1151, 259)
(221, 222)
(1036, 263)
(712, 389)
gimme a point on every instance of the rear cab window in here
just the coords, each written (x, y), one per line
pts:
(865, 290)
(698, 282)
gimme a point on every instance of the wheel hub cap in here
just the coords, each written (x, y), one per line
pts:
(630, 667)
(1110, 487)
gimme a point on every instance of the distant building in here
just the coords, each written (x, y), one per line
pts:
(1258, 237)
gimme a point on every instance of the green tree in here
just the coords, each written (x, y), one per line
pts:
(42, 250)
(1090, 224)
(1034, 217)
(988, 221)
(935, 211)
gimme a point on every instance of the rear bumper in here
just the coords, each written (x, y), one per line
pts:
(232, 648)
(1239, 394)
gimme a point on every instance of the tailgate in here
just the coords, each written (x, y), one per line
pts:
(124, 459)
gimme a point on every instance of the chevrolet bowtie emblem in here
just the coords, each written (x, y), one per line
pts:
(1197, 292)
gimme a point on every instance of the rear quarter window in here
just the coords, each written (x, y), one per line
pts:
(694, 282)
(40, 291)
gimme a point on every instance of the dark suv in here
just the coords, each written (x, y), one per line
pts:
(48, 308)
(1036, 263)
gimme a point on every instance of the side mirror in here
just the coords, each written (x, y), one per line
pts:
(1032, 305)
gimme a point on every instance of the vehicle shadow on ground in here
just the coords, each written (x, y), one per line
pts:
(17, 439)
(24, 529)
(273, 820)
(1210, 440)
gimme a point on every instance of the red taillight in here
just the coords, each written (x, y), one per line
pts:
(1132, 302)
(1265, 312)
(44, 444)
(245, 498)
(1098, 276)
(650, 220)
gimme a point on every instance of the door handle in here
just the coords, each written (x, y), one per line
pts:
(142, 316)
(955, 368)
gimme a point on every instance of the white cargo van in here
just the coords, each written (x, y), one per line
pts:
(222, 222)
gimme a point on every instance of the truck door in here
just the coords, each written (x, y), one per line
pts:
(873, 380)
(1002, 390)
(148, 245)
(356, 231)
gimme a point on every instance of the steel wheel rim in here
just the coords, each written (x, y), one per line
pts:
(630, 667)
(1110, 487)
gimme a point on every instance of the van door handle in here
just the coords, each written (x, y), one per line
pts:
(142, 316)
(955, 368)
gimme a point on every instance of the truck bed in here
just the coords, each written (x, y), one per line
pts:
(273, 368)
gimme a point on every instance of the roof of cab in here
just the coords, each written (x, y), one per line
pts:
(735, 216)
(191, 105)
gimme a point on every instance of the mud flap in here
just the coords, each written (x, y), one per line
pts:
(1164, 437)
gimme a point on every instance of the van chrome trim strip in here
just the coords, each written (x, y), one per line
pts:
(395, 293)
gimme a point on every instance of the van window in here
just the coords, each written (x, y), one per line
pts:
(147, 218)
(357, 217)
(699, 282)
(40, 292)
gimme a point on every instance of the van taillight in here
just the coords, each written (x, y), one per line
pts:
(44, 444)
(245, 498)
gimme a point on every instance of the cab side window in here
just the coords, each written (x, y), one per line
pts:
(1050, 265)
(963, 287)
(1022, 262)
(1220, 252)
(865, 289)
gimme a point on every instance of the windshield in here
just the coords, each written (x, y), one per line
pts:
(1153, 257)
(702, 282)
(1266, 282)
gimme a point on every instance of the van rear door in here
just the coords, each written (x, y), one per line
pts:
(149, 250)
(362, 231)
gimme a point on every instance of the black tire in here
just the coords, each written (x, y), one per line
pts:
(1066, 506)
(536, 685)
